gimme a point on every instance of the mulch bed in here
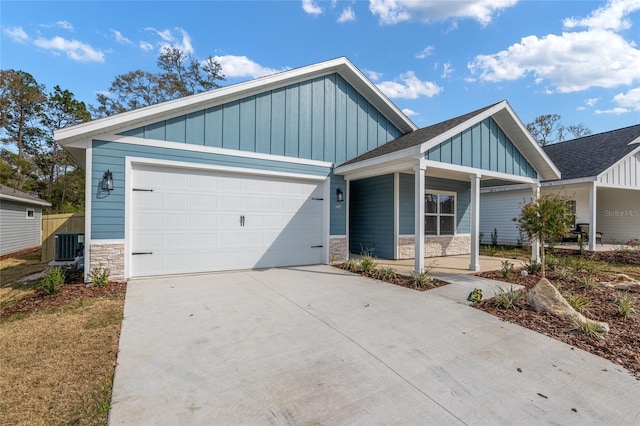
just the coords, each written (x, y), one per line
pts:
(68, 293)
(621, 345)
(401, 280)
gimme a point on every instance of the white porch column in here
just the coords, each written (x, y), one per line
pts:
(419, 170)
(535, 245)
(396, 214)
(474, 262)
(592, 215)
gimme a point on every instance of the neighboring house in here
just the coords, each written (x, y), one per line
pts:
(295, 168)
(20, 220)
(600, 173)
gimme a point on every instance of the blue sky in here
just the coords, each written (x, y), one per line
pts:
(434, 59)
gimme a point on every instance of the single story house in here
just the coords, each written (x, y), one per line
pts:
(20, 220)
(299, 167)
(600, 173)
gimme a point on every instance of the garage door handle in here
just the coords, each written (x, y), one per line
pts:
(316, 246)
(143, 190)
(141, 252)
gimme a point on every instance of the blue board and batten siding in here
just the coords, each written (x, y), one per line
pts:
(483, 146)
(321, 119)
(371, 216)
(407, 201)
(108, 208)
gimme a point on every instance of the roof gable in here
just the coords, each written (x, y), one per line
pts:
(11, 194)
(593, 155)
(190, 104)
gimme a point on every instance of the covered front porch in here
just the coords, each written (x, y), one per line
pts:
(419, 195)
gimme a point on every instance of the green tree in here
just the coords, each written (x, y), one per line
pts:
(21, 102)
(179, 75)
(548, 129)
(545, 219)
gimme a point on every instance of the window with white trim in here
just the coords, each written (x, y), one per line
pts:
(439, 212)
(31, 214)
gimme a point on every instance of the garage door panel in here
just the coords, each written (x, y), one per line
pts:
(191, 222)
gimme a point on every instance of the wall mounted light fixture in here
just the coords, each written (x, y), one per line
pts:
(339, 195)
(107, 181)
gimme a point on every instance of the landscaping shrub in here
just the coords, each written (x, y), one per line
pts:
(626, 305)
(507, 299)
(368, 264)
(506, 269)
(421, 279)
(99, 277)
(52, 281)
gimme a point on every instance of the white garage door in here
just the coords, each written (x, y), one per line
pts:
(187, 220)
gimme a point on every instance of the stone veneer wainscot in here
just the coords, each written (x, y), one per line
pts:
(435, 246)
(108, 256)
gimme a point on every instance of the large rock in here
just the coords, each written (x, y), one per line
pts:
(544, 297)
(624, 282)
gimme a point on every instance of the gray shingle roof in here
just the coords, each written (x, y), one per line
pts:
(5, 190)
(418, 137)
(591, 155)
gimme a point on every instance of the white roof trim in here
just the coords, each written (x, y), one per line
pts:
(25, 200)
(569, 181)
(139, 117)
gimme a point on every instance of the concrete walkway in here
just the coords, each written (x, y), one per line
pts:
(317, 345)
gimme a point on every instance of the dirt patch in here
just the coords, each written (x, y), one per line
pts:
(621, 345)
(38, 301)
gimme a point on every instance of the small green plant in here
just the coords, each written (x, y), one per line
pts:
(577, 302)
(592, 267)
(480, 237)
(490, 250)
(368, 264)
(494, 237)
(533, 266)
(520, 239)
(99, 277)
(507, 268)
(385, 273)
(52, 281)
(421, 279)
(351, 265)
(588, 283)
(626, 305)
(591, 329)
(507, 299)
(563, 273)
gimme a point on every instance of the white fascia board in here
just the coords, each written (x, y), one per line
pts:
(132, 161)
(611, 186)
(8, 197)
(213, 150)
(631, 154)
(407, 153)
(430, 164)
(382, 170)
(505, 188)
(182, 106)
(562, 182)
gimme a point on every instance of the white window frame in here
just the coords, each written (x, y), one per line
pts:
(438, 214)
(32, 211)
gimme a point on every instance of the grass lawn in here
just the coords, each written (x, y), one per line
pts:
(58, 352)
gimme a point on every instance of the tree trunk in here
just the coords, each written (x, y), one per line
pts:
(542, 260)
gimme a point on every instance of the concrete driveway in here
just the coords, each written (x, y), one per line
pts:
(316, 345)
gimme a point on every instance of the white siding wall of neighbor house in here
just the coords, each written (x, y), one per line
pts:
(624, 173)
(579, 193)
(18, 231)
(618, 214)
(497, 209)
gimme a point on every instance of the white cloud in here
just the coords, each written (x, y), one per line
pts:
(571, 62)
(65, 25)
(347, 15)
(409, 112)
(396, 11)
(373, 75)
(611, 16)
(241, 66)
(168, 39)
(145, 46)
(591, 101)
(427, 51)
(409, 87)
(74, 49)
(447, 70)
(120, 38)
(629, 100)
(16, 34)
(310, 7)
(614, 111)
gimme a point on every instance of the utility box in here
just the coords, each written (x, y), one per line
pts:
(69, 246)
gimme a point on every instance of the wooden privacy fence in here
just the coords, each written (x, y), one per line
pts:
(53, 224)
